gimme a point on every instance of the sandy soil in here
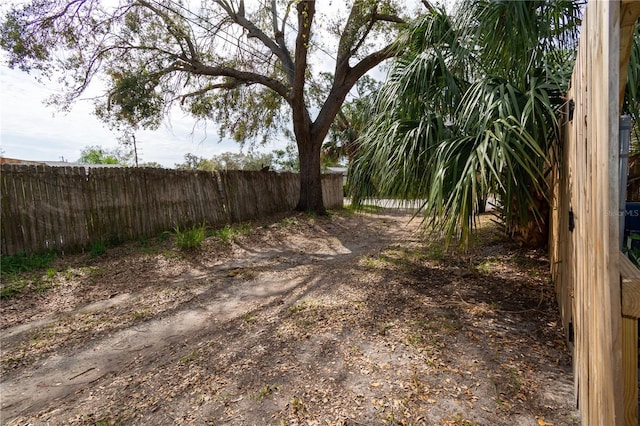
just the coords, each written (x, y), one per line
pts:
(350, 319)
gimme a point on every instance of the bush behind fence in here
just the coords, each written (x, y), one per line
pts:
(69, 208)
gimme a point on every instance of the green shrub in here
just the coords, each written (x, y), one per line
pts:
(189, 239)
(22, 262)
(98, 249)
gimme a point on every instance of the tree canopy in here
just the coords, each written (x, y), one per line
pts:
(98, 155)
(228, 161)
(246, 67)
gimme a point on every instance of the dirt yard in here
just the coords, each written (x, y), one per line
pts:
(350, 319)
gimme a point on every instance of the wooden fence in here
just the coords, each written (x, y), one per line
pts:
(592, 279)
(68, 208)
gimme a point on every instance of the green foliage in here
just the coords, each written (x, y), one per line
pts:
(227, 161)
(286, 160)
(11, 287)
(265, 391)
(470, 109)
(22, 262)
(351, 121)
(363, 208)
(98, 155)
(11, 266)
(191, 238)
(98, 248)
(240, 161)
(133, 100)
(229, 234)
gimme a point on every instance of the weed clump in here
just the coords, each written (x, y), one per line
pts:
(22, 262)
(191, 238)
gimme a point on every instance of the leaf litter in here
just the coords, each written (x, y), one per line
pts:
(342, 320)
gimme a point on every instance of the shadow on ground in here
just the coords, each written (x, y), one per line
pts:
(350, 319)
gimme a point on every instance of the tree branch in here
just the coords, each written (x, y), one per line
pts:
(243, 76)
(173, 30)
(228, 85)
(341, 88)
(253, 31)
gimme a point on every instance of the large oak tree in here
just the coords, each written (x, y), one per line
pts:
(246, 67)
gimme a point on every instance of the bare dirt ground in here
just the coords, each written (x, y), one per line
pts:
(350, 319)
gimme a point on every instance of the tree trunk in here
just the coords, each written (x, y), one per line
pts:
(310, 176)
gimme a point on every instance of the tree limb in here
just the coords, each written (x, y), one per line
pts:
(253, 31)
(243, 76)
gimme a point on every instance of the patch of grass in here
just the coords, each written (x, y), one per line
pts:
(516, 379)
(189, 239)
(415, 339)
(92, 271)
(435, 251)
(487, 266)
(138, 315)
(372, 262)
(289, 221)
(384, 327)
(250, 317)
(98, 248)
(229, 233)
(22, 262)
(11, 286)
(40, 286)
(69, 274)
(299, 307)
(297, 405)
(143, 241)
(265, 391)
(193, 357)
(51, 273)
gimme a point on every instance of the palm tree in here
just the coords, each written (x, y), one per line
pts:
(471, 108)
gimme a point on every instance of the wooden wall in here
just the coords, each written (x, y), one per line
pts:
(67, 208)
(584, 245)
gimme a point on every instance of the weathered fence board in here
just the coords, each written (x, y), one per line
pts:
(67, 208)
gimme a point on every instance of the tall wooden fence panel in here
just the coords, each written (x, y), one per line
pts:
(584, 243)
(67, 208)
(254, 194)
(333, 190)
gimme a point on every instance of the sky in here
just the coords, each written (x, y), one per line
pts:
(30, 130)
